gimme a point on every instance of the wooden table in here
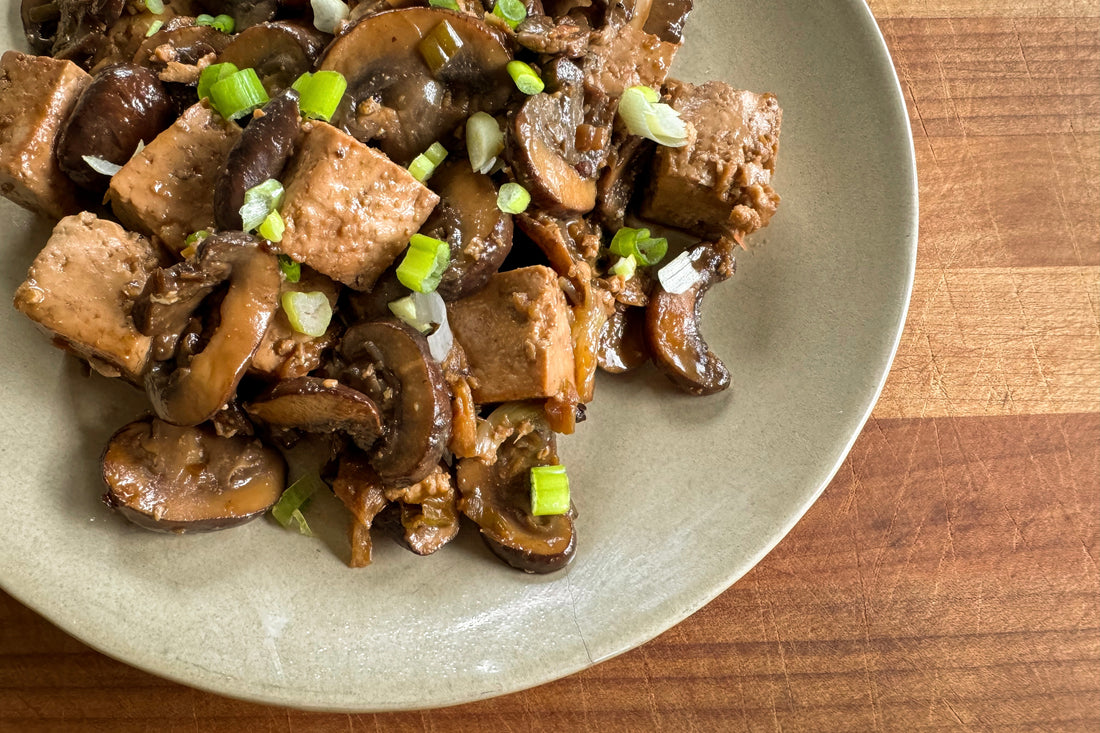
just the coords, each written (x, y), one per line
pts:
(948, 578)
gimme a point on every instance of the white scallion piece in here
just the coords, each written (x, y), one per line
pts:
(646, 117)
(327, 14)
(427, 313)
(101, 166)
(678, 276)
(484, 141)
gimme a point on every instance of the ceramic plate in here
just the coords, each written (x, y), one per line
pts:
(678, 496)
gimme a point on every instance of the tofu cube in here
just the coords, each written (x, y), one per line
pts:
(167, 190)
(37, 94)
(719, 184)
(349, 210)
(516, 336)
(81, 289)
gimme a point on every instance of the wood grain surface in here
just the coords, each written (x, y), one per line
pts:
(948, 578)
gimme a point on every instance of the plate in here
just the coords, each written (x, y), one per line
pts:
(678, 496)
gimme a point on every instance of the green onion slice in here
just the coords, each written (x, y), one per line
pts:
(156, 7)
(308, 313)
(549, 490)
(223, 23)
(526, 78)
(513, 12)
(625, 267)
(646, 117)
(289, 506)
(637, 243)
(484, 141)
(154, 27)
(212, 74)
(272, 227)
(440, 46)
(405, 309)
(513, 198)
(320, 93)
(425, 261)
(259, 201)
(196, 237)
(238, 94)
(424, 165)
(291, 270)
(448, 4)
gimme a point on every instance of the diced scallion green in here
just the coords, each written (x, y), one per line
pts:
(448, 4)
(223, 23)
(308, 313)
(259, 201)
(425, 261)
(289, 506)
(212, 74)
(156, 7)
(440, 46)
(291, 270)
(196, 237)
(549, 490)
(238, 94)
(637, 243)
(272, 227)
(526, 78)
(424, 165)
(513, 12)
(513, 198)
(625, 267)
(154, 27)
(320, 93)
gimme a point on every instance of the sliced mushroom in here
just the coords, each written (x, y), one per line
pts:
(467, 217)
(672, 328)
(122, 107)
(359, 488)
(68, 29)
(319, 406)
(390, 361)
(191, 392)
(622, 341)
(188, 479)
(280, 52)
(393, 96)
(178, 54)
(429, 511)
(497, 495)
(543, 151)
(261, 153)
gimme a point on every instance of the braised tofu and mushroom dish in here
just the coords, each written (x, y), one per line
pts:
(395, 237)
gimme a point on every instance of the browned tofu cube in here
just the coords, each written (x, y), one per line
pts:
(36, 96)
(81, 289)
(621, 56)
(285, 353)
(516, 336)
(349, 210)
(167, 189)
(719, 184)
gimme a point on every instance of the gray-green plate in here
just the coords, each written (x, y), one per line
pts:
(678, 496)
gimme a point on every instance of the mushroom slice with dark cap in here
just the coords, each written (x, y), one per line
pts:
(497, 495)
(319, 406)
(543, 151)
(124, 106)
(622, 341)
(390, 80)
(178, 54)
(188, 479)
(280, 52)
(190, 393)
(672, 325)
(390, 361)
(69, 29)
(429, 511)
(469, 220)
(261, 153)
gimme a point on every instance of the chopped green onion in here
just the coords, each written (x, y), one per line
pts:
(308, 313)
(513, 12)
(424, 165)
(154, 27)
(625, 267)
(526, 78)
(320, 93)
(259, 201)
(156, 7)
(440, 46)
(484, 141)
(223, 23)
(513, 198)
(212, 74)
(549, 490)
(272, 227)
(646, 117)
(291, 270)
(289, 506)
(238, 94)
(425, 261)
(405, 309)
(448, 4)
(637, 243)
(196, 237)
